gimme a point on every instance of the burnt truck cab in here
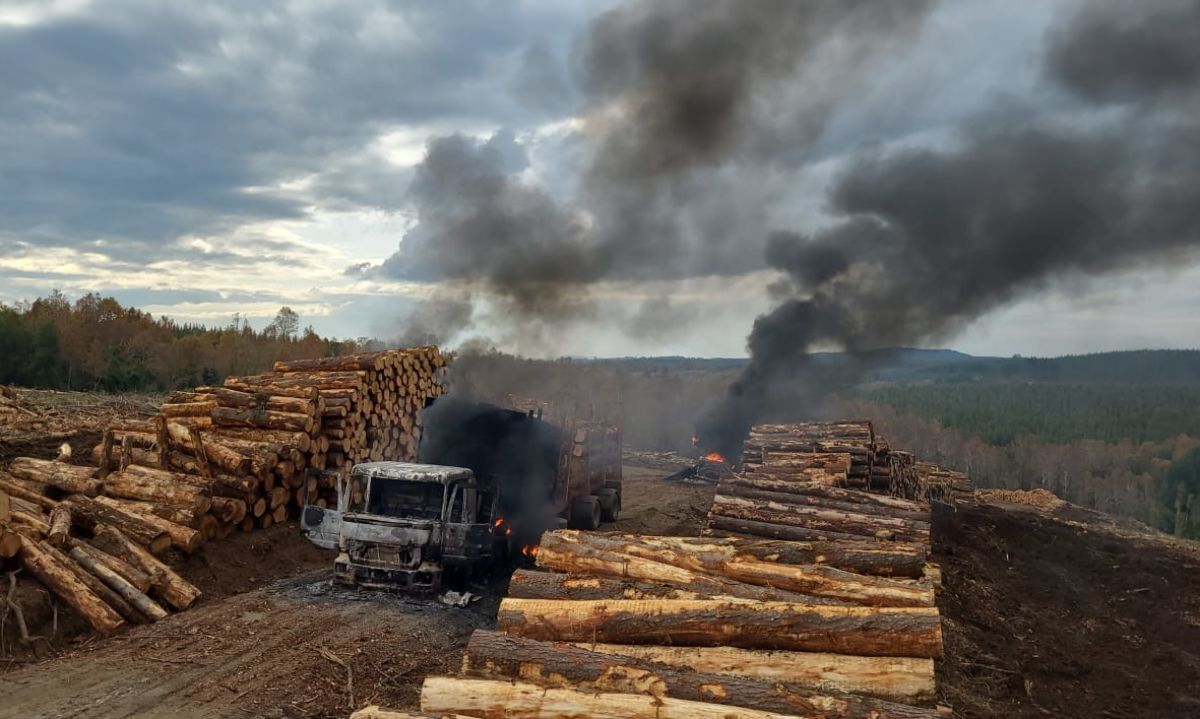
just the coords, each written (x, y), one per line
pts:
(410, 524)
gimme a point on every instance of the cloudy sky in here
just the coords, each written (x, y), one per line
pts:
(203, 159)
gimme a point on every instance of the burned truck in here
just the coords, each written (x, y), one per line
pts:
(487, 482)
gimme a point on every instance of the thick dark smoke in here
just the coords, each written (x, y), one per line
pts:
(930, 240)
(684, 104)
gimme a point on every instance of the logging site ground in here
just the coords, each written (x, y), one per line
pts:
(1041, 618)
(1047, 610)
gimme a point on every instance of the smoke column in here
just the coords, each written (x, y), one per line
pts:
(929, 240)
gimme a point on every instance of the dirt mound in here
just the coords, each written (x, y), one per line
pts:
(1043, 617)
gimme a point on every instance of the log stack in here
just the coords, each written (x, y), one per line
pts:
(640, 626)
(805, 447)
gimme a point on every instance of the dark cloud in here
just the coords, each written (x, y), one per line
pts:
(139, 122)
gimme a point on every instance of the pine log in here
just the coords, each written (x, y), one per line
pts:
(300, 440)
(367, 361)
(212, 451)
(900, 679)
(262, 419)
(825, 520)
(250, 400)
(830, 499)
(530, 584)
(508, 698)
(144, 457)
(184, 538)
(10, 542)
(30, 515)
(498, 656)
(89, 512)
(117, 583)
(721, 526)
(188, 409)
(562, 546)
(128, 572)
(168, 585)
(60, 525)
(131, 484)
(110, 597)
(229, 510)
(895, 559)
(27, 490)
(175, 515)
(864, 631)
(51, 569)
(66, 477)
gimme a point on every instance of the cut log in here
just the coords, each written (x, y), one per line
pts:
(262, 419)
(176, 515)
(896, 559)
(135, 485)
(809, 499)
(864, 631)
(819, 519)
(51, 569)
(228, 510)
(29, 491)
(60, 525)
(528, 584)
(188, 409)
(128, 572)
(300, 440)
(508, 698)
(212, 450)
(102, 590)
(183, 538)
(10, 542)
(901, 679)
(66, 477)
(568, 550)
(168, 585)
(117, 583)
(495, 655)
(89, 512)
(721, 526)
(29, 515)
(251, 400)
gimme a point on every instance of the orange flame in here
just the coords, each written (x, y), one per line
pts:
(530, 550)
(715, 457)
(499, 521)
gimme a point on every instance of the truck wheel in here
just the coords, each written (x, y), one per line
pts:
(585, 513)
(610, 504)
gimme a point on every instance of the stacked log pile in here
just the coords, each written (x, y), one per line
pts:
(639, 626)
(942, 485)
(807, 446)
(211, 461)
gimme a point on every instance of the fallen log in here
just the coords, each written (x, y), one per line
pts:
(499, 656)
(111, 598)
(34, 492)
(864, 631)
(508, 698)
(66, 477)
(128, 572)
(900, 679)
(168, 585)
(184, 538)
(147, 606)
(809, 499)
(573, 551)
(52, 569)
(187, 409)
(88, 513)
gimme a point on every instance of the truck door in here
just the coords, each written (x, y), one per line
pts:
(323, 525)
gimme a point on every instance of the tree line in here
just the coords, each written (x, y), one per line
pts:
(95, 343)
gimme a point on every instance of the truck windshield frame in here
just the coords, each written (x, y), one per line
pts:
(405, 499)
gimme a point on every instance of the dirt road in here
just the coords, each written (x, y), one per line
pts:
(273, 649)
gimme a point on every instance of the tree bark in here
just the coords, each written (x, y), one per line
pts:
(819, 519)
(250, 400)
(138, 486)
(846, 503)
(497, 656)
(901, 679)
(128, 572)
(188, 409)
(262, 419)
(895, 559)
(864, 631)
(60, 525)
(89, 512)
(5, 507)
(808, 579)
(52, 570)
(117, 583)
(507, 698)
(10, 542)
(367, 361)
(66, 477)
(720, 526)
(228, 510)
(111, 598)
(213, 450)
(175, 515)
(182, 537)
(34, 492)
(529, 584)
(168, 585)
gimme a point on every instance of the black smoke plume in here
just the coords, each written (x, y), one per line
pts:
(930, 239)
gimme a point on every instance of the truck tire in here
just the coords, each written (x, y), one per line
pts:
(610, 504)
(585, 512)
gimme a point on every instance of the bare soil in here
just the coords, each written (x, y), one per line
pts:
(1066, 616)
